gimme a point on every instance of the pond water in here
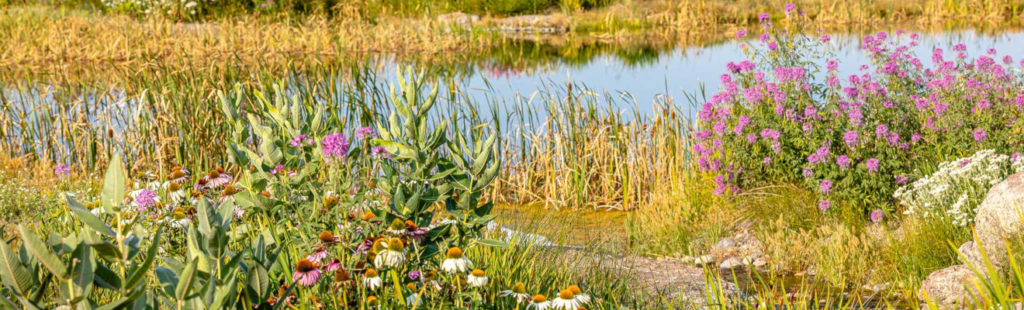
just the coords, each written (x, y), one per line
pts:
(676, 72)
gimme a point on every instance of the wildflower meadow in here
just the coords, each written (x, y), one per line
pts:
(511, 154)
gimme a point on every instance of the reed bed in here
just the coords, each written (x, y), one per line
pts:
(580, 152)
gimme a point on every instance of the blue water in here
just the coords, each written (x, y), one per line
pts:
(687, 70)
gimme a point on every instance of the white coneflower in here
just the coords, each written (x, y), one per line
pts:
(393, 254)
(539, 302)
(477, 278)
(397, 228)
(370, 279)
(455, 261)
(566, 300)
(580, 297)
(518, 292)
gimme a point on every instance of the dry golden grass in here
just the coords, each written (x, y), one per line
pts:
(39, 39)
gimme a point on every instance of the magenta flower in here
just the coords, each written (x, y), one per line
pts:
(764, 17)
(808, 172)
(334, 265)
(872, 164)
(62, 170)
(843, 161)
(881, 130)
(876, 215)
(277, 169)
(767, 160)
(306, 273)
(901, 179)
(366, 133)
(145, 199)
(317, 256)
(740, 33)
(335, 146)
(825, 186)
(414, 275)
(380, 151)
(850, 137)
(790, 7)
(824, 205)
(298, 140)
(980, 135)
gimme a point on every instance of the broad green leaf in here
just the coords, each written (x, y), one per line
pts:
(12, 272)
(84, 270)
(89, 219)
(142, 269)
(259, 280)
(113, 185)
(186, 279)
(492, 243)
(42, 253)
(106, 278)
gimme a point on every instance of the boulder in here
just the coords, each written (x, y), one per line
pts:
(948, 288)
(999, 217)
(970, 255)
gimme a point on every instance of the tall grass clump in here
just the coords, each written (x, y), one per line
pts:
(853, 141)
(578, 153)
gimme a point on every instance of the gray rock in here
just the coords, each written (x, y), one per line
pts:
(970, 255)
(948, 288)
(731, 263)
(999, 217)
(724, 249)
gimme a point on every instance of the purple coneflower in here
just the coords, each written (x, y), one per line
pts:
(317, 256)
(334, 265)
(306, 273)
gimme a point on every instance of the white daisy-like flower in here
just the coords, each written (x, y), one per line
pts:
(370, 279)
(477, 278)
(393, 254)
(518, 292)
(566, 300)
(539, 302)
(455, 261)
(579, 295)
(413, 300)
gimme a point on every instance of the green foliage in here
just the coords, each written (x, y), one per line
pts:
(98, 257)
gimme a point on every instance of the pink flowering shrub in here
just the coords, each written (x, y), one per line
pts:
(786, 116)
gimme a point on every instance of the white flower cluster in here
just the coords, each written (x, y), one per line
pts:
(957, 187)
(168, 7)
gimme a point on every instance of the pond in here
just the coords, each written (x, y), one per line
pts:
(673, 73)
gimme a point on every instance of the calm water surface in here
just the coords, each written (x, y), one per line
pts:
(675, 73)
